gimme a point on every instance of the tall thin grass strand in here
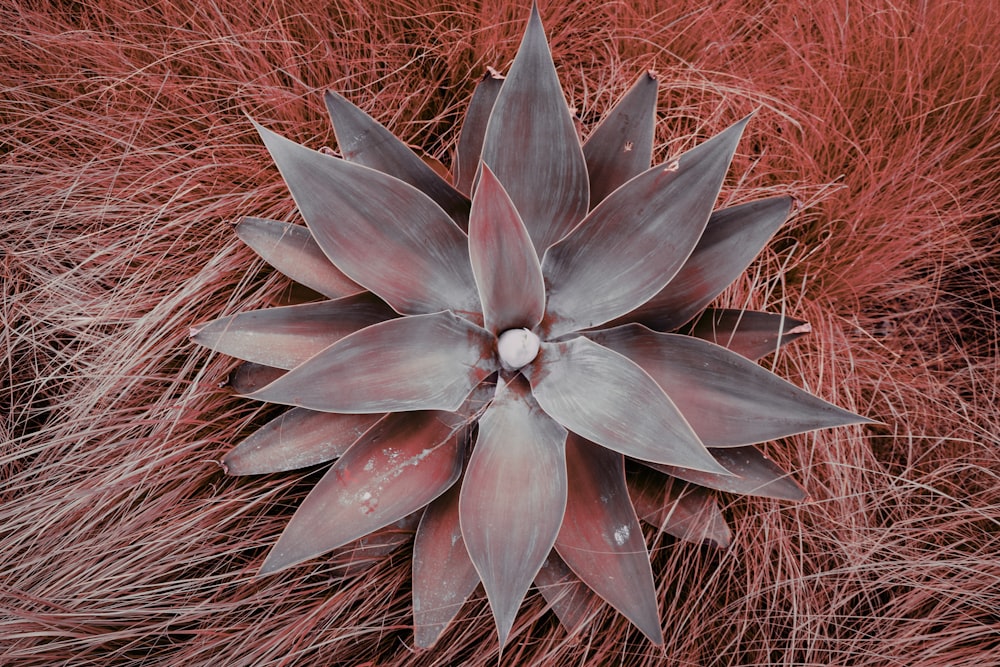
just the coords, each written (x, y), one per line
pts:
(127, 155)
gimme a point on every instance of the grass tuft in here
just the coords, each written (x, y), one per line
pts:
(127, 154)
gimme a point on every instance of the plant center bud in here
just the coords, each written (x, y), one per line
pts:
(516, 348)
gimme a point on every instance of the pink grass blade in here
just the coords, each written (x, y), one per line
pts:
(531, 144)
(755, 475)
(443, 574)
(422, 259)
(621, 147)
(728, 400)
(292, 250)
(296, 439)
(470, 142)
(749, 333)
(513, 498)
(504, 262)
(733, 238)
(608, 399)
(601, 539)
(400, 465)
(686, 511)
(364, 140)
(636, 240)
(284, 337)
(568, 597)
(421, 362)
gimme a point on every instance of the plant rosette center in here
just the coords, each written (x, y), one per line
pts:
(517, 348)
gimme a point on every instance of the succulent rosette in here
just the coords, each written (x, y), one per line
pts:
(494, 357)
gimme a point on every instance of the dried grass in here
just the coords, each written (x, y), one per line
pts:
(126, 154)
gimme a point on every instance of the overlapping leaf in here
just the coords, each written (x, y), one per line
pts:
(604, 397)
(732, 238)
(636, 240)
(601, 539)
(422, 262)
(421, 362)
(285, 337)
(470, 142)
(443, 574)
(504, 262)
(531, 144)
(728, 400)
(398, 466)
(621, 147)
(365, 141)
(296, 439)
(293, 251)
(749, 333)
(513, 497)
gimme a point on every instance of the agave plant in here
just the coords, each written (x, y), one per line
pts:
(494, 360)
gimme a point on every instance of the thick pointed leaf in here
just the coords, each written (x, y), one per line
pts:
(636, 240)
(401, 464)
(470, 143)
(750, 333)
(293, 251)
(296, 439)
(733, 238)
(248, 377)
(601, 539)
(604, 397)
(364, 140)
(285, 337)
(757, 475)
(688, 512)
(728, 400)
(513, 498)
(443, 574)
(421, 362)
(532, 146)
(567, 596)
(367, 552)
(621, 147)
(422, 259)
(504, 262)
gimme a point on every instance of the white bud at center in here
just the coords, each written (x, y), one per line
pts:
(516, 348)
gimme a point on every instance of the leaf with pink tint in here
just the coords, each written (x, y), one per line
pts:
(364, 140)
(601, 539)
(513, 497)
(292, 250)
(443, 574)
(733, 237)
(422, 259)
(636, 240)
(532, 146)
(755, 474)
(470, 142)
(686, 511)
(367, 552)
(284, 337)
(297, 439)
(421, 362)
(248, 377)
(402, 463)
(570, 599)
(728, 399)
(749, 333)
(621, 147)
(504, 262)
(608, 399)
